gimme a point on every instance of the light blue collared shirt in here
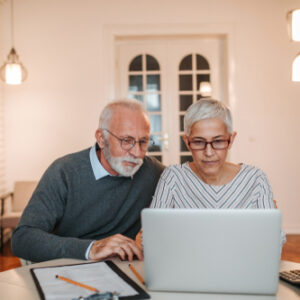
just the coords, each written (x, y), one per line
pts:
(99, 172)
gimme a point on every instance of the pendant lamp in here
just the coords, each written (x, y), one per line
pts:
(294, 25)
(13, 71)
(205, 88)
(296, 69)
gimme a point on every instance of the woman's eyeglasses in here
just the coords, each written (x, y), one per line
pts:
(216, 144)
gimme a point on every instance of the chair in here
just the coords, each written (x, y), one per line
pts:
(13, 204)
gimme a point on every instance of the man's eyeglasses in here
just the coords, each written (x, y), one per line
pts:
(127, 143)
(216, 144)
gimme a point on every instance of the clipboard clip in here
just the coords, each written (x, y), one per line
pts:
(98, 296)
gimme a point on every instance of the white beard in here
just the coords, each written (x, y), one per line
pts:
(117, 162)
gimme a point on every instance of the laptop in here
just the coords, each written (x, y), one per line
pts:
(211, 250)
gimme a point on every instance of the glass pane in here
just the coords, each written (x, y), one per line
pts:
(158, 157)
(151, 63)
(137, 97)
(155, 121)
(184, 158)
(185, 82)
(202, 77)
(153, 82)
(136, 64)
(157, 147)
(183, 146)
(135, 83)
(186, 63)
(185, 101)
(202, 63)
(181, 126)
(153, 102)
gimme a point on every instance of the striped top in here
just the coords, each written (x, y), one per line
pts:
(180, 187)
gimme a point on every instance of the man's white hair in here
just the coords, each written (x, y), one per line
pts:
(108, 111)
(207, 109)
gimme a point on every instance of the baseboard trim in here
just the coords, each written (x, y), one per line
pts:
(292, 230)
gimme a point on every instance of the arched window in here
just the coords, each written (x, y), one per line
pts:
(144, 77)
(193, 69)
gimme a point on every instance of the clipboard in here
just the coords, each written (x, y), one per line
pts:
(100, 274)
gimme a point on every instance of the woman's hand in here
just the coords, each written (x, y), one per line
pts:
(139, 239)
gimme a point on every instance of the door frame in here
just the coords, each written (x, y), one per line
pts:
(116, 32)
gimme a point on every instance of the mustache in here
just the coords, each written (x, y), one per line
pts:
(129, 158)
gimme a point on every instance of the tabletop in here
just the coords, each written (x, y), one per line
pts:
(18, 284)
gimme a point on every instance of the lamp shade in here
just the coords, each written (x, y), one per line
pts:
(296, 69)
(205, 89)
(13, 71)
(294, 25)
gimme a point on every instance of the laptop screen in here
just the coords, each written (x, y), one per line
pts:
(209, 250)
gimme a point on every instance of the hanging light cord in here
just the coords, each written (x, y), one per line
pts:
(12, 22)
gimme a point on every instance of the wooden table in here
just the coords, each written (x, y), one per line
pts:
(18, 284)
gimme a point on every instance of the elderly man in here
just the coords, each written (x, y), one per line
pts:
(87, 204)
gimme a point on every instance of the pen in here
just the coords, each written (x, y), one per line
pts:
(77, 283)
(136, 274)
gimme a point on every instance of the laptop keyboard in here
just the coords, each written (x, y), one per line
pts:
(292, 276)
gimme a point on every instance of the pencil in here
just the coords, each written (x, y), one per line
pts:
(136, 274)
(77, 283)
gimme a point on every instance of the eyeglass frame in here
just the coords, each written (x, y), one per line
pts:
(210, 143)
(150, 142)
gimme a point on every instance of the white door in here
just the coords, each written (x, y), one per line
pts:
(165, 74)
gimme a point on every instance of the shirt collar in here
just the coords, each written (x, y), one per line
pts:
(98, 170)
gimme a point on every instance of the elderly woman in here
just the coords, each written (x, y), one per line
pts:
(209, 181)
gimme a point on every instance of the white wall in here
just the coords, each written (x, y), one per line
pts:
(61, 43)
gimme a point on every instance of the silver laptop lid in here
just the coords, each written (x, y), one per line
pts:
(209, 250)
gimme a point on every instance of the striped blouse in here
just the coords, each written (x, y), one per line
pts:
(180, 187)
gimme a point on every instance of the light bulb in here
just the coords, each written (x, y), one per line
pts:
(13, 74)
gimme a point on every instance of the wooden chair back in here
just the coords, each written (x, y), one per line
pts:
(23, 190)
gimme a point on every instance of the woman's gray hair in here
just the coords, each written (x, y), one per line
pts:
(109, 109)
(207, 109)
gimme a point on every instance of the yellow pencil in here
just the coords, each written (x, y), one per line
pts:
(136, 274)
(77, 283)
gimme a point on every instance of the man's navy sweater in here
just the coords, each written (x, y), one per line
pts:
(70, 208)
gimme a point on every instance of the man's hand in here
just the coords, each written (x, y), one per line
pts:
(117, 244)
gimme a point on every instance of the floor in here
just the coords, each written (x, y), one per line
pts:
(7, 260)
(290, 251)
